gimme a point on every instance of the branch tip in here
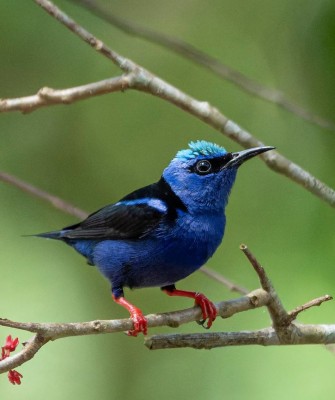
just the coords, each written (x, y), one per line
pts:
(257, 267)
(275, 307)
(292, 315)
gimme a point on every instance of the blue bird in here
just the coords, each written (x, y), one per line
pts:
(161, 233)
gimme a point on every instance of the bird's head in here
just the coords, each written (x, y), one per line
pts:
(203, 175)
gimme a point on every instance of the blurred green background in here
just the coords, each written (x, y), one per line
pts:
(93, 152)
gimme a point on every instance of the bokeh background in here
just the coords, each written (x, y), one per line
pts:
(93, 152)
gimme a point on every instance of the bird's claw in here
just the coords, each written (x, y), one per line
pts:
(140, 324)
(208, 309)
(139, 321)
(202, 323)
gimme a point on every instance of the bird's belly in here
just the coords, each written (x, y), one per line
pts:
(158, 261)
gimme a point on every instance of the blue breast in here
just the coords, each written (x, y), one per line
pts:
(163, 258)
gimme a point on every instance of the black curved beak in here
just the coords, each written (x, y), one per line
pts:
(241, 156)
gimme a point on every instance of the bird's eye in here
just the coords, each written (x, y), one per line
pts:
(203, 167)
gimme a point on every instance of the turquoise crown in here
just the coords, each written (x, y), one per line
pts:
(201, 148)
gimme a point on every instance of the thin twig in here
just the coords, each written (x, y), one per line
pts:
(29, 350)
(123, 63)
(226, 282)
(55, 201)
(192, 53)
(47, 96)
(312, 303)
(276, 309)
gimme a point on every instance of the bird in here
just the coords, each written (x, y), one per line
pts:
(163, 232)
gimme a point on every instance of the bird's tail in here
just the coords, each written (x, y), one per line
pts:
(50, 235)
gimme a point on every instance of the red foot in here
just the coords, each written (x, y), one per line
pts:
(140, 322)
(207, 307)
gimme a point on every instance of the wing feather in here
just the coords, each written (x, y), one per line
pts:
(118, 221)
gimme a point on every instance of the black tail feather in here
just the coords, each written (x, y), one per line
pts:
(50, 235)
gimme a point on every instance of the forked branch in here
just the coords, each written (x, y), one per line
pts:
(284, 331)
(44, 332)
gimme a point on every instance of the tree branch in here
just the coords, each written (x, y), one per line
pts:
(292, 315)
(123, 63)
(48, 96)
(143, 80)
(303, 334)
(282, 332)
(55, 201)
(277, 311)
(190, 52)
(53, 331)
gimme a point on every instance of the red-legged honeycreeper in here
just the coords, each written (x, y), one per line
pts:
(163, 232)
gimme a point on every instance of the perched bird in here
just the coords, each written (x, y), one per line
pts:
(161, 233)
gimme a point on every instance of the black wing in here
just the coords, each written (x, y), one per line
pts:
(116, 221)
(131, 218)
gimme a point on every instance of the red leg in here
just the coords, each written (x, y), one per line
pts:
(207, 307)
(140, 322)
